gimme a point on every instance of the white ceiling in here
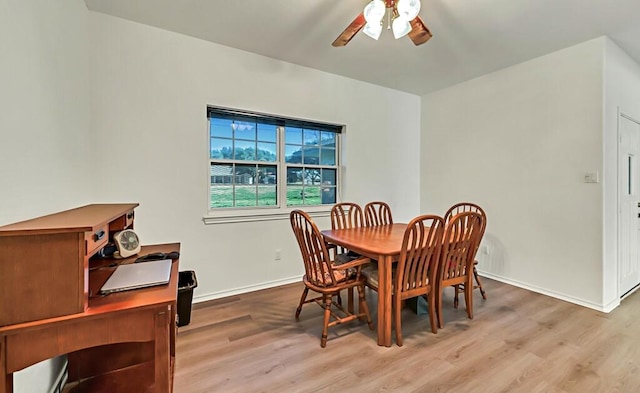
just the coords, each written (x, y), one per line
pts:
(470, 37)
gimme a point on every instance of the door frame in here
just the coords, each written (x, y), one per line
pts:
(619, 205)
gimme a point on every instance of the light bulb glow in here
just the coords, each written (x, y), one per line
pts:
(401, 27)
(409, 8)
(373, 30)
(374, 11)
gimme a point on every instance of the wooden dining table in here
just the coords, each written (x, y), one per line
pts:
(381, 243)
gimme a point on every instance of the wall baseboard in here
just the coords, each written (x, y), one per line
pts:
(250, 288)
(553, 294)
(270, 284)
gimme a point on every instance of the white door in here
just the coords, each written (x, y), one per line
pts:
(629, 204)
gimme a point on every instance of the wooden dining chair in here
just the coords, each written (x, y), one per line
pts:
(326, 278)
(469, 207)
(460, 242)
(377, 213)
(416, 271)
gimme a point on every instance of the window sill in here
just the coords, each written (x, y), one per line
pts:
(244, 216)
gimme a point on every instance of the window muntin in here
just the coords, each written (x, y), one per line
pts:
(259, 161)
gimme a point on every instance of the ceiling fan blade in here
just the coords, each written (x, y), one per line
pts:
(351, 30)
(419, 33)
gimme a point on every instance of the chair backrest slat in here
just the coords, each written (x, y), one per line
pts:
(346, 215)
(377, 213)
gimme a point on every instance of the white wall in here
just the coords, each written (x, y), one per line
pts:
(518, 142)
(150, 92)
(44, 96)
(622, 94)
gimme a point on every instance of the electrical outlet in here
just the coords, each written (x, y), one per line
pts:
(591, 177)
(277, 255)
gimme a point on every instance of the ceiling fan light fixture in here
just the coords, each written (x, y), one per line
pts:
(374, 11)
(408, 8)
(401, 27)
(373, 30)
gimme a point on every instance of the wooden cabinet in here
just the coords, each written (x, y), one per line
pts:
(51, 306)
(44, 262)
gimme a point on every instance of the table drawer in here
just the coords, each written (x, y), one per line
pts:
(96, 239)
(125, 221)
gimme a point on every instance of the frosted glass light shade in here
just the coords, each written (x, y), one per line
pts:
(401, 27)
(409, 8)
(374, 11)
(373, 30)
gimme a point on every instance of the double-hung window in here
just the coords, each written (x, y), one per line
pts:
(264, 162)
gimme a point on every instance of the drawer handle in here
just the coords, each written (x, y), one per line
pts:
(130, 215)
(98, 235)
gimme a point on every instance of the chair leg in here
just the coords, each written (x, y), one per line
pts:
(350, 300)
(439, 307)
(327, 299)
(397, 319)
(362, 306)
(455, 299)
(302, 299)
(477, 278)
(431, 303)
(468, 297)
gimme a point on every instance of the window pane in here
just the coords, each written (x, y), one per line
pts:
(244, 130)
(245, 150)
(222, 174)
(293, 154)
(328, 195)
(246, 196)
(245, 174)
(267, 174)
(221, 196)
(267, 152)
(293, 136)
(329, 176)
(328, 139)
(221, 128)
(328, 157)
(311, 155)
(294, 196)
(267, 196)
(312, 196)
(267, 132)
(311, 177)
(311, 137)
(221, 148)
(294, 176)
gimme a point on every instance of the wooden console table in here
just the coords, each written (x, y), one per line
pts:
(120, 342)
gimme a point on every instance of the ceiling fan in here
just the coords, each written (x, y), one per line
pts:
(402, 17)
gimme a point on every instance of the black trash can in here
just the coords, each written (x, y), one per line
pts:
(186, 282)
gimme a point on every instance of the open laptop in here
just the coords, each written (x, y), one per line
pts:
(138, 275)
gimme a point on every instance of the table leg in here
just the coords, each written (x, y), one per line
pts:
(161, 358)
(384, 300)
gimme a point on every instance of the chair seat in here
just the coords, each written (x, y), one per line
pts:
(343, 258)
(373, 276)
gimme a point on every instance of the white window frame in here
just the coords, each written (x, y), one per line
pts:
(281, 211)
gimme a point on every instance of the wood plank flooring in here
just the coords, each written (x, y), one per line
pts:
(518, 341)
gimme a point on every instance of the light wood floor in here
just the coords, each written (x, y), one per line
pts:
(519, 341)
